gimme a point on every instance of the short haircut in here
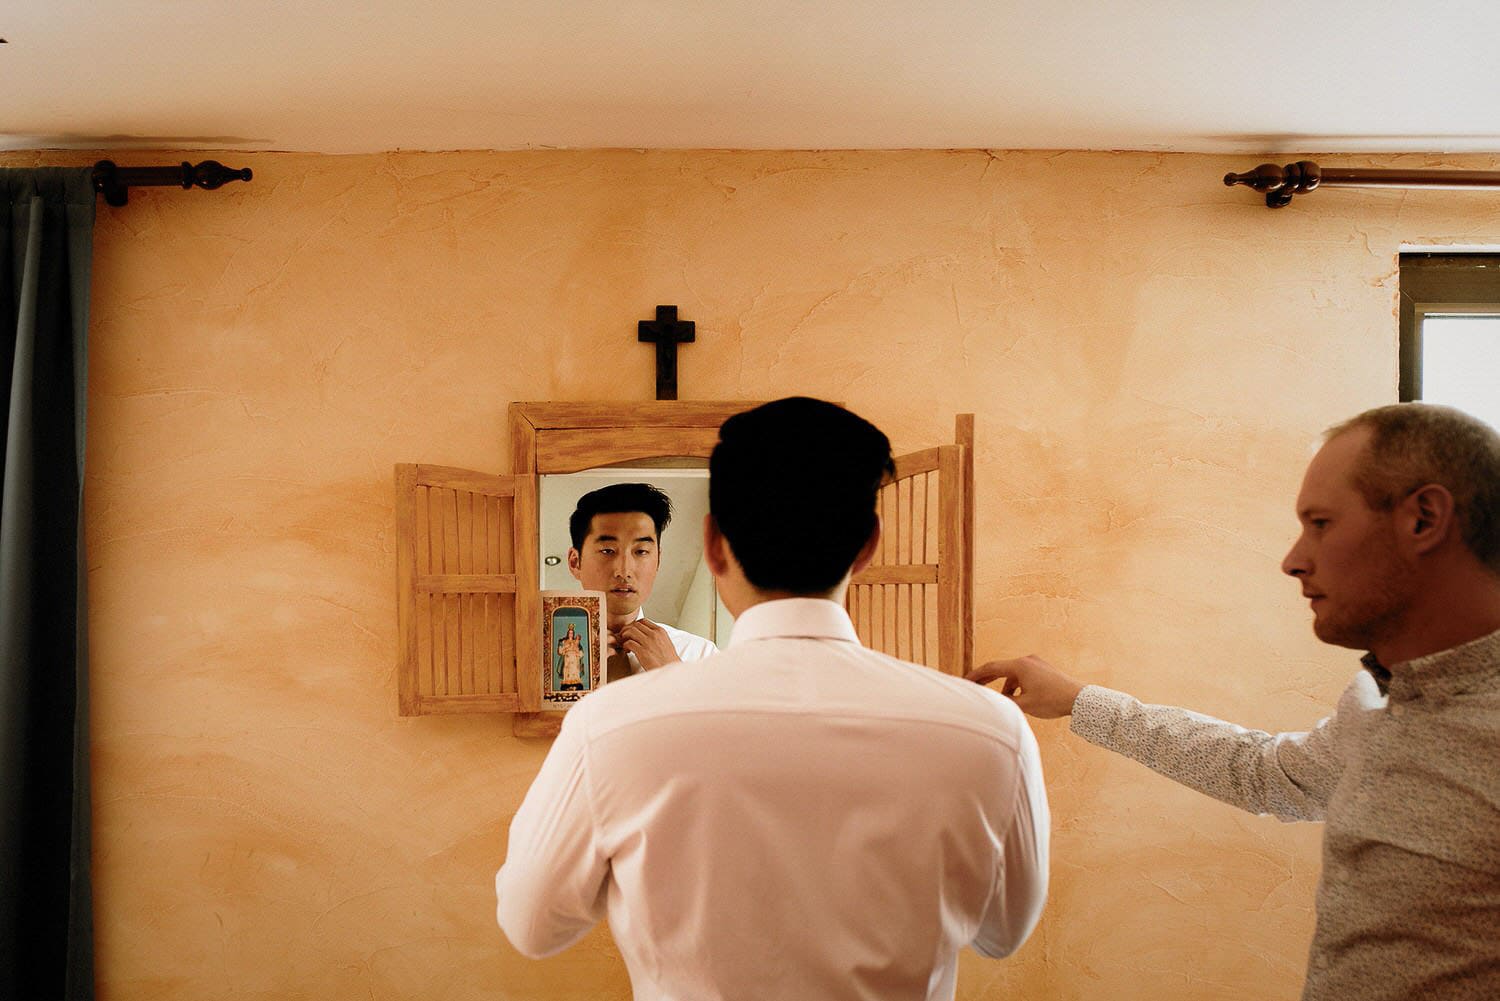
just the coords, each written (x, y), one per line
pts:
(792, 486)
(1414, 444)
(620, 498)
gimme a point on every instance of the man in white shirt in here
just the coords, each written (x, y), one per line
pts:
(616, 534)
(795, 817)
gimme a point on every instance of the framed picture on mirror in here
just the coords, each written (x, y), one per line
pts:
(573, 649)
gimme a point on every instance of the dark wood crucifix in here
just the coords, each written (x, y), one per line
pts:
(666, 332)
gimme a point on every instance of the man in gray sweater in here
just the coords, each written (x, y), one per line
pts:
(1399, 556)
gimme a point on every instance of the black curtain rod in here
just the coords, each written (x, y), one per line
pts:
(114, 182)
(1279, 184)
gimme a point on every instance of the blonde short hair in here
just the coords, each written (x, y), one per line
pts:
(1414, 444)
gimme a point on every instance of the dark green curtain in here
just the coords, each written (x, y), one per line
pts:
(46, 912)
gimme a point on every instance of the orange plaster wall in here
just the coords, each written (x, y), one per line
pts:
(1149, 355)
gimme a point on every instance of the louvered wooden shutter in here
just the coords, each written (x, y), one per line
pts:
(456, 537)
(914, 600)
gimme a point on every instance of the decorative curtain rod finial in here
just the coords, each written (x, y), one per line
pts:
(1279, 184)
(211, 174)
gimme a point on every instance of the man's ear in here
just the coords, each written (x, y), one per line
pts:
(715, 547)
(867, 551)
(1427, 517)
(575, 563)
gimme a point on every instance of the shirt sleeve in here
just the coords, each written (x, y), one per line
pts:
(1287, 775)
(1021, 885)
(551, 889)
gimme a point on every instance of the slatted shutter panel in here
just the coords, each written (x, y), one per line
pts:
(456, 533)
(914, 600)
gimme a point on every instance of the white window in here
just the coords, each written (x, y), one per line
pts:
(1450, 331)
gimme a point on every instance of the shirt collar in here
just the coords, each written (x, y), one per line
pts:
(803, 618)
(1448, 672)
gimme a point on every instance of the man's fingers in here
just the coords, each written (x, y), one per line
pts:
(640, 627)
(986, 673)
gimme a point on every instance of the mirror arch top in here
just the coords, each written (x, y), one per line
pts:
(568, 437)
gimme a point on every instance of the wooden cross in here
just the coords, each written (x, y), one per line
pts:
(666, 333)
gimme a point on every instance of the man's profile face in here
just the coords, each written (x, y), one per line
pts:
(620, 557)
(1347, 558)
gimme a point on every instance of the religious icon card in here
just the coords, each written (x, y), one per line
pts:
(573, 651)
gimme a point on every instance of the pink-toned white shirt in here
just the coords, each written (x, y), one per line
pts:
(794, 817)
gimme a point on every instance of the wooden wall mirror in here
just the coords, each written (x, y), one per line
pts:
(469, 551)
(683, 592)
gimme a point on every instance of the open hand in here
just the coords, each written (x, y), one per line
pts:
(1033, 684)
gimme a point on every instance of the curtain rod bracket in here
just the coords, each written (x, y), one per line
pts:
(115, 182)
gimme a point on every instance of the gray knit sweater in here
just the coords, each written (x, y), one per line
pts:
(1406, 775)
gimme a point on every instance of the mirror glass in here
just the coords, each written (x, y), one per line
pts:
(684, 594)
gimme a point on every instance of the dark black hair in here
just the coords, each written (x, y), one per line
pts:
(792, 486)
(619, 498)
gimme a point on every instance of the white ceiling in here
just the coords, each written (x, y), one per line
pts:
(344, 76)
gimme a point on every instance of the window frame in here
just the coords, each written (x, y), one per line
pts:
(1440, 283)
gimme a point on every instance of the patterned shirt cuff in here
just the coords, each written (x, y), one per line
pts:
(1096, 712)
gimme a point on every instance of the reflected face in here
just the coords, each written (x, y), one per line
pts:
(1347, 558)
(620, 557)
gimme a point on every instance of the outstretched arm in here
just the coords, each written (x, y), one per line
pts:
(1288, 775)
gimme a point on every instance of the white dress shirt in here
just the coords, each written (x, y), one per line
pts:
(795, 817)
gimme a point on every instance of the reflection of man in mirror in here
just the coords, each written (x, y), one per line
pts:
(570, 649)
(797, 817)
(616, 534)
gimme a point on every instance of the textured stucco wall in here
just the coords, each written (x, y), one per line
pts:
(1149, 355)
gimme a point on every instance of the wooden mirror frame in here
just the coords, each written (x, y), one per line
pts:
(548, 438)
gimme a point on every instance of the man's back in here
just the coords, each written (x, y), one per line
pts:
(796, 817)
